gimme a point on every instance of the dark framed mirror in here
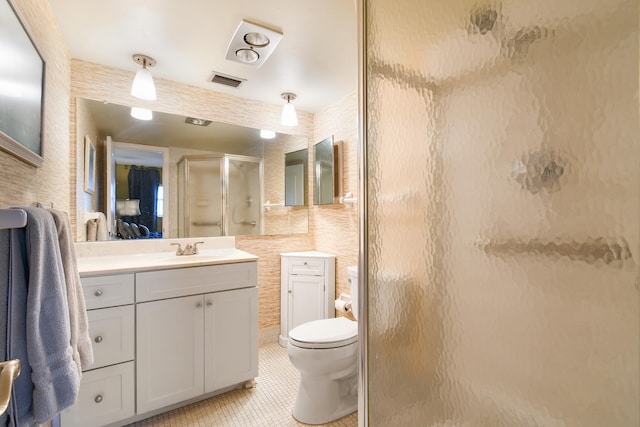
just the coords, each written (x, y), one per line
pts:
(295, 178)
(326, 172)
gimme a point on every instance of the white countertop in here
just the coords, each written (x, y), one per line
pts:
(120, 256)
(106, 264)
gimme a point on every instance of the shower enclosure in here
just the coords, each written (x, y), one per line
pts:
(220, 195)
(501, 213)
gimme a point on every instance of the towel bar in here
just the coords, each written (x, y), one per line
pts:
(10, 370)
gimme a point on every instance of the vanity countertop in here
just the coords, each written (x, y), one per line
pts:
(159, 260)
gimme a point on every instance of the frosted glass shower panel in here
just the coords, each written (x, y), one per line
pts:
(202, 197)
(503, 213)
(244, 196)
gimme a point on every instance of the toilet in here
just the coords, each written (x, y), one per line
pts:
(326, 354)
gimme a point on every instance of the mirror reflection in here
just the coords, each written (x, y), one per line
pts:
(138, 170)
(324, 172)
(295, 178)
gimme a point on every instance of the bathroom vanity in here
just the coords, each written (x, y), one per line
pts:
(166, 331)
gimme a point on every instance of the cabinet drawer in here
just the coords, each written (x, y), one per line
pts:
(106, 395)
(108, 291)
(112, 335)
(306, 266)
(155, 285)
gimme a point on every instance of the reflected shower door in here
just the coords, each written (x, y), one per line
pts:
(203, 197)
(244, 195)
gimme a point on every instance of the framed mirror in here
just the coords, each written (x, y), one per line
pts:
(326, 172)
(295, 178)
(111, 124)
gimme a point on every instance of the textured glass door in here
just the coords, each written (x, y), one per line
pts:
(502, 230)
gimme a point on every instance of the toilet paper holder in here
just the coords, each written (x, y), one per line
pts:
(343, 303)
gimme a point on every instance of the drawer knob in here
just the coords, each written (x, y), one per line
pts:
(199, 305)
(98, 339)
(98, 398)
(98, 293)
(305, 263)
(209, 303)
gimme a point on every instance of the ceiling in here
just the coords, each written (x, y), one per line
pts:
(316, 58)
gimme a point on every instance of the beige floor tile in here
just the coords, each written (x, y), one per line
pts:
(269, 404)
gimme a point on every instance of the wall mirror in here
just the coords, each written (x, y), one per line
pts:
(126, 144)
(326, 172)
(295, 178)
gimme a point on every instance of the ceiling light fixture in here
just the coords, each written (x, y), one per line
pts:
(267, 134)
(143, 86)
(197, 122)
(252, 43)
(247, 55)
(289, 116)
(141, 113)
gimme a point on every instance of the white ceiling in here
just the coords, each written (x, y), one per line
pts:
(316, 58)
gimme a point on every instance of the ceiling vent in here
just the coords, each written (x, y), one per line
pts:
(226, 80)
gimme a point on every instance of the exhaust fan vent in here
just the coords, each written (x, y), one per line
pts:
(223, 79)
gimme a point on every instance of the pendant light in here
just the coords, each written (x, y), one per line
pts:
(143, 86)
(289, 116)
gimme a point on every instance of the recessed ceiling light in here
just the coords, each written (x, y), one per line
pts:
(247, 55)
(197, 122)
(256, 39)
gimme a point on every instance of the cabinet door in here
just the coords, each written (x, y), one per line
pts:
(170, 351)
(231, 338)
(306, 299)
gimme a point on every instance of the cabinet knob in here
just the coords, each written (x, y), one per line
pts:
(98, 339)
(199, 305)
(98, 398)
(305, 263)
(209, 303)
(98, 293)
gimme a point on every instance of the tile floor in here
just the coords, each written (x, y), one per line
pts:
(268, 404)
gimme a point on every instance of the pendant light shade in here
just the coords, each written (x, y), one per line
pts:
(289, 116)
(143, 86)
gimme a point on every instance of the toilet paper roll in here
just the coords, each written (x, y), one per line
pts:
(343, 304)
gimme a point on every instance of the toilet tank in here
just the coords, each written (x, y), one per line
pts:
(353, 285)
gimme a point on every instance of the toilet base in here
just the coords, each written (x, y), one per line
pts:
(324, 401)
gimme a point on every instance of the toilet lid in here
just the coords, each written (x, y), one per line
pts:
(325, 333)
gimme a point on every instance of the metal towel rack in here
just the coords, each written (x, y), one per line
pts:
(10, 371)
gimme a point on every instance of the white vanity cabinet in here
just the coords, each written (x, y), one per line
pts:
(307, 289)
(190, 345)
(164, 337)
(107, 388)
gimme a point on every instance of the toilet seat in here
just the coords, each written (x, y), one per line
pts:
(324, 333)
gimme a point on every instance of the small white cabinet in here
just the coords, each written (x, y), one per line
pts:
(307, 289)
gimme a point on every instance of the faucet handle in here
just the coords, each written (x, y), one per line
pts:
(179, 250)
(195, 247)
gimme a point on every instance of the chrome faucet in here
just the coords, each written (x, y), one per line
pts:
(188, 250)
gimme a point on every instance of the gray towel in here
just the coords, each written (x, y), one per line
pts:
(78, 322)
(54, 373)
(21, 409)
